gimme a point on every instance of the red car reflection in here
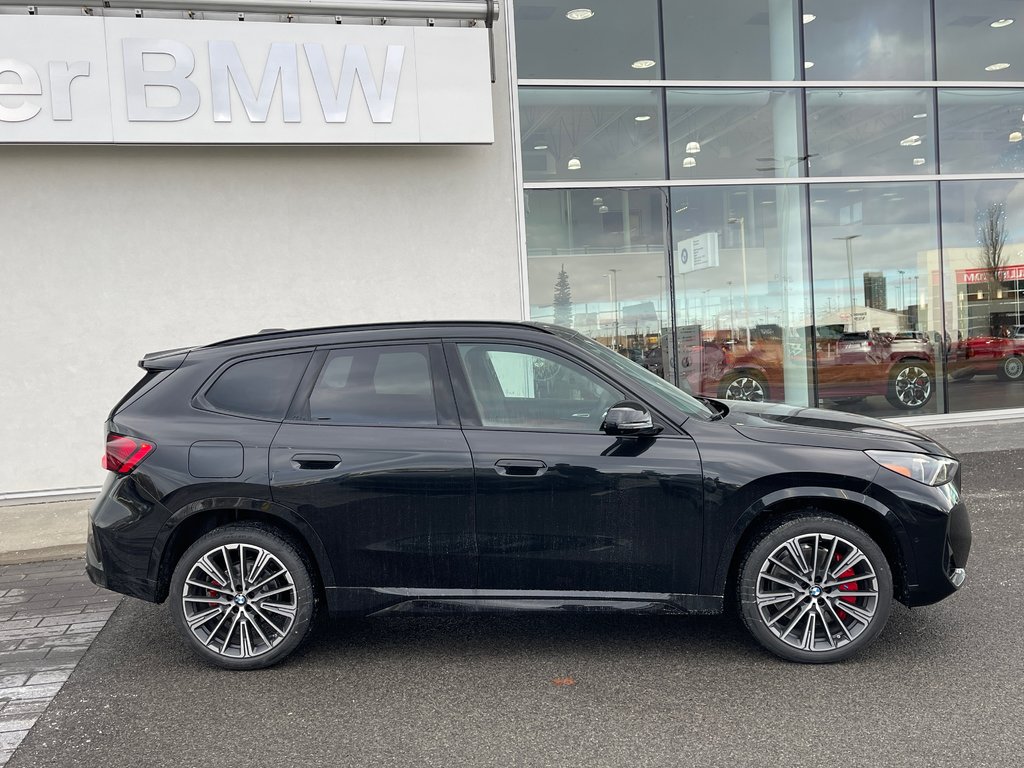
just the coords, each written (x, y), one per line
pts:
(1001, 355)
(851, 365)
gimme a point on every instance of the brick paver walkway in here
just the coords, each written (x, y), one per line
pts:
(49, 615)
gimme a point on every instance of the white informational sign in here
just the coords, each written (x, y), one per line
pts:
(85, 80)
(698, 252)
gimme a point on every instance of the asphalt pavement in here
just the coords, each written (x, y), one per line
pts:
(943, 686)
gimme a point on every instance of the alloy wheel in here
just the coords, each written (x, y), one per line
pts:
(1013, 367)
(913, 386)
(817, 592)
(239, 600)
(745, 388)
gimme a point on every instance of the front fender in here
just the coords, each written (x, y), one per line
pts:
(810, 495)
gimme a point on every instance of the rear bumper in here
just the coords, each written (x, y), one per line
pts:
(119, 544)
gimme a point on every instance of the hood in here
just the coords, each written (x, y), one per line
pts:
(816, 427)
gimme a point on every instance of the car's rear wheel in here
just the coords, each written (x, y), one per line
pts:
(910, 385)
(243, 597)
(744, 385)
(814, 588)
(1011, 369)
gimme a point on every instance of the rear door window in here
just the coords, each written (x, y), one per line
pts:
(261, 387)
(381, 386)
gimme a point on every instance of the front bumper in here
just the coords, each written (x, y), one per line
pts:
(939, 577)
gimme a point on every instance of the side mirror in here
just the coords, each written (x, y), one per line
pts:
(629, 418)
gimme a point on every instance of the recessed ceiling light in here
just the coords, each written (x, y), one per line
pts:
(767, 202)
(854, 189)
(809, 17)
(1016, 136)
(541, 146)
(1001, 23)
(692, 147)
(997, 67)
(574, 164)
(683, 208)
(689, 162)
(648, 63)
(821, 201)
(919, 115)
(598, 201)
(919, 161)
(808, 64)
(579, 14)
(911, 141)
(603, 209)
(642, 118)
(897, 198)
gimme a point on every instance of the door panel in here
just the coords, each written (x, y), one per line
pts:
(604, 514)
(560, 505)
(395, 511)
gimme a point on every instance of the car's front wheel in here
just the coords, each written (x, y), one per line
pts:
(814, 588)
(910, 385)
(1011, 369)
(243, 597)
(743, 385)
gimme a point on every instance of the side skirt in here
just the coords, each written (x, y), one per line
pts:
(367, 601)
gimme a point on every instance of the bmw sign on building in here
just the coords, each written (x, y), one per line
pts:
(66, 79)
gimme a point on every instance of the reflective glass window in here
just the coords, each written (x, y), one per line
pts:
(867, 40)
(733, 133)
(591, 133)
(521, 388)
(600, 39)
(981, 130)
(983, 250)
(597, 263)
(384, 386)
(979, 41)
(262, 387)
(741, 292)
(731, 40)
(861, 132)
(878, 325)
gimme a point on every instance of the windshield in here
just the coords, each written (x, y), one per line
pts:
(688, 405)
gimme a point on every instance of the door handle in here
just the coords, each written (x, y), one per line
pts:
(520, 467)
(315, 461)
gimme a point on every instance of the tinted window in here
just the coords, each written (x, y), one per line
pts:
(262, 387)
(533, 389)
(383, 386)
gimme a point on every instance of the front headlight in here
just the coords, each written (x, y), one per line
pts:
(930, 470)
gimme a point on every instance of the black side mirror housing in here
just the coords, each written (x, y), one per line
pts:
(629, 418)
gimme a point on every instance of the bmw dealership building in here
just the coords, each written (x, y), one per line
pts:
(806, 201)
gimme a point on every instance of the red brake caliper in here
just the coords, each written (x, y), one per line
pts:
(211, 593)
(848, 587)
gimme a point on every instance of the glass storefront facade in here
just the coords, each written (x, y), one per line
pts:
(805, 202)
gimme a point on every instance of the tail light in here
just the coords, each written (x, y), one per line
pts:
(125, 453)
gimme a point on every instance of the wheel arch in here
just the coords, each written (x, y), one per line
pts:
(190, 522)
(873, 517)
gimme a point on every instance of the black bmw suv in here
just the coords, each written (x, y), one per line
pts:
(466, 466)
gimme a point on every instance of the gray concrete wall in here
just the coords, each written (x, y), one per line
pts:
(111, 252)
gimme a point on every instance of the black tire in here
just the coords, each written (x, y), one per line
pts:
(744, 385)
(911, 385)
(291, 612)
(842, 632)
(1011, 369)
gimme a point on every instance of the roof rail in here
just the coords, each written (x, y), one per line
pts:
(271, 333)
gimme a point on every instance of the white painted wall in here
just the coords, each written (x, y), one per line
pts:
(110, 252)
